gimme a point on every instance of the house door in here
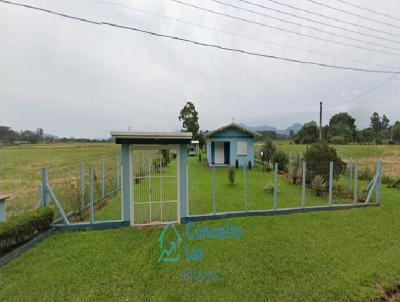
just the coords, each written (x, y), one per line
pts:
(155, 185)
(219, 153)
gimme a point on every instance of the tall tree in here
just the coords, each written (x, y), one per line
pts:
(343, 126)
(396, 131)
(385, 123)
(190, 119)
(375, 123)
(308, 134)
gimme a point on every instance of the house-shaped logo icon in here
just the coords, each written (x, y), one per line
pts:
(170, 242)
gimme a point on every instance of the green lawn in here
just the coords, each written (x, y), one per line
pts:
(326, 256)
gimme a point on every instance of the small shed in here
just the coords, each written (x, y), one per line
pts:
(229, 143)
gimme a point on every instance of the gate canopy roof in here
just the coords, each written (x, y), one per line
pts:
(151, 138)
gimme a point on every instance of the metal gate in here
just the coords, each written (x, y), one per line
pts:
(155, 185)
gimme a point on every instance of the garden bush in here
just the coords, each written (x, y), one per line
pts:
(318, 158)
(231, 175)
(269, 188)
(282, 159)
(22, 228)
(318, 185)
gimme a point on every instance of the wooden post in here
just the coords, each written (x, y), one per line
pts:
(103, 184)
(276, 186)
(82, 186)
(213, 191)
(356, 183)
(245, 187)
(330, 182)
(91, 210)
(303, 188)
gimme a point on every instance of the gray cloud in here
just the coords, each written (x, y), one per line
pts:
(77, 79)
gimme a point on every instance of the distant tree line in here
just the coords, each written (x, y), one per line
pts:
(342, 130)
(10, 136)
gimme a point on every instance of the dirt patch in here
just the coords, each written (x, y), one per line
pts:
(388, 295)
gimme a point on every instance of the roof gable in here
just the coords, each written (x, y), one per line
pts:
(232, 126)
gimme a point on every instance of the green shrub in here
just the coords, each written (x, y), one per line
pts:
(282, 159)
(366, 174)
(268, 150)
(362, 195)
(22, 228)
(318, 158)
(318, 185)
(269, 188)
(231, 175)
(296, 169)
(338, 140)
(342, 191)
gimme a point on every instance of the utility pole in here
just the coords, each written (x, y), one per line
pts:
(320, 120)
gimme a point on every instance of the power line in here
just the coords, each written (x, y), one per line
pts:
(316, 21)
(152, 33)
(333, 18)
(236, 34)
(368, 10)
(365, 92)
(353, 14)
(306, 26)
(284, 30)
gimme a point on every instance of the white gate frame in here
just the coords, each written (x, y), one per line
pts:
(132, 167)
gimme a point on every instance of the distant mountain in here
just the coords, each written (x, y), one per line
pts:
(295, 127)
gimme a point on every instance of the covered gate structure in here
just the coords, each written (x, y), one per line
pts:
(154, 176)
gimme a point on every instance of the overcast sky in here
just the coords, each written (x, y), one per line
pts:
(78, 79)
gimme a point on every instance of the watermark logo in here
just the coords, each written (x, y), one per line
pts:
(170, 242)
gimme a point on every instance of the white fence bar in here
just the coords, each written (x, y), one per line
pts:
(82, 186)
(276, 186)
(356, 183)
(378, 190)
(350, 174)
(245, 187)
(213, 191)
(91, 210)
(303, 187)
(103, 183)
(330, 183)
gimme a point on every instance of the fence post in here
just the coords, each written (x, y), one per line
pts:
(44, 194)
(82, 186)
(187, 191)
(213, 191)
(245, 187)
(350, 173)
(378, 190)
(303, 188)
(103, 184)
(118, 173)
(290, 163)
(330, 183)
(40, 196)
(356, 183)
(91, 210)
(276, 186)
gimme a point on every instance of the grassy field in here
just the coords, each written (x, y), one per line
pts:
(328, 256)
(367, 155)
(20, 172)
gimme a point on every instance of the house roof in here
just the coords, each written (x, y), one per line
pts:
(144, 138)
(232, 125)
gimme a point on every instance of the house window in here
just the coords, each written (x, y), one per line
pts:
(242, 148)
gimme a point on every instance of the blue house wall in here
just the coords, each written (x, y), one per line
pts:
(233, 136)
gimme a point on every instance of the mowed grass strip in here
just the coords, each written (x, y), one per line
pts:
(326, 256)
